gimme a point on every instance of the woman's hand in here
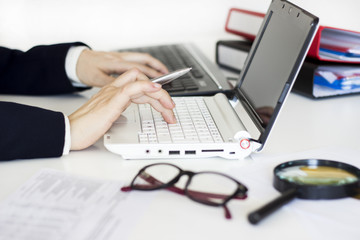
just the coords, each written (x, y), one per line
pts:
(96, 68)
(92, 120)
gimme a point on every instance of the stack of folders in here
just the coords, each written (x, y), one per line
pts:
(332, 67)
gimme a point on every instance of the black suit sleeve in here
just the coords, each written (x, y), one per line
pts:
(38, 71)
(31, 132)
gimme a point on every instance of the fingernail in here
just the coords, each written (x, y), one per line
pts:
(174, 118)
(156, 85)
(173, 102)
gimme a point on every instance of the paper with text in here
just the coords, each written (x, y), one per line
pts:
(53, 205)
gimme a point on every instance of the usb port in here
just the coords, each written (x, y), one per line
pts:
(174, 152)
(190, 152)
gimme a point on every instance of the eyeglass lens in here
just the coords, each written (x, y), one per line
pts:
(155, 176)
(218, 187)
(206, 187)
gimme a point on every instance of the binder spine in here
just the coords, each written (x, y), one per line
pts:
(231, 55)
(246, 24)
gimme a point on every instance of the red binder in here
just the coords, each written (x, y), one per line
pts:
(243, 22)
(336, 45)
(330, 44)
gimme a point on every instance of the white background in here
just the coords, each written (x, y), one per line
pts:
(306, 128)
(108, 24)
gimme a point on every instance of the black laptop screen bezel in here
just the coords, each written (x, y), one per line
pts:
(311, 24)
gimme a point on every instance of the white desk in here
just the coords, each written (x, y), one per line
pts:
(306, 128)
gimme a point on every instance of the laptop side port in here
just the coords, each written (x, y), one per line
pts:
(190, 152)
(213, 150)
(174, 152)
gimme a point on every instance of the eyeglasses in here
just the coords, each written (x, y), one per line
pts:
(210, 188)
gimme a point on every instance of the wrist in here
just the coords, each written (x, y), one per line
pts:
(67, 140)
(71, 63)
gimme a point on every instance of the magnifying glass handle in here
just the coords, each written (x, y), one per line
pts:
(257, 215)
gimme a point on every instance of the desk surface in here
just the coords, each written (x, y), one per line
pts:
(306, 128)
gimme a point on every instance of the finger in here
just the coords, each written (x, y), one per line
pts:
(163, 97)
(114, 100)
(148, 71)
(145, 59)
(167, 113)
(136, 89)
(154, 63)
(129, 76)
(161, 101)
(153, 94)
(106, 106)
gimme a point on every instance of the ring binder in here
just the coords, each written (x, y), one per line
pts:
(332, 65)
(329, 44)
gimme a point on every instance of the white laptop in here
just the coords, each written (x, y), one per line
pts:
(214, 126)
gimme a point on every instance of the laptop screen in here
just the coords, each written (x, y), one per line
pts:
(273, 62)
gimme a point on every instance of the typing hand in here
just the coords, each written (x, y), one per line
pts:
(94, 118)
(95, 68)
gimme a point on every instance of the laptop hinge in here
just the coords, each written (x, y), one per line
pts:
(255, 145)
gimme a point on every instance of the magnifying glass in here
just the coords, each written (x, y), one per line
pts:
(310, 179)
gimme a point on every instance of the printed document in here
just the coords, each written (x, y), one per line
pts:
(54, 205)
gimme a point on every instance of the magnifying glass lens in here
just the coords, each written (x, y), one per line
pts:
(317, 175)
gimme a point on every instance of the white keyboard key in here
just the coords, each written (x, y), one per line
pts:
(194, 124)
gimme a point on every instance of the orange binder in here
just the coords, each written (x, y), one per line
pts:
(330, 44)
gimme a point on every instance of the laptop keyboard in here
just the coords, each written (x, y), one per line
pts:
(194, 124)
(175, 57)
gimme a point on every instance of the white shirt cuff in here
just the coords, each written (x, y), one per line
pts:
(70, 65)
(67, 140)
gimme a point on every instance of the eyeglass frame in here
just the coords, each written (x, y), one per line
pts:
(239, 193)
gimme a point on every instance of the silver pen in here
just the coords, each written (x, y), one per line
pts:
(170, 76)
